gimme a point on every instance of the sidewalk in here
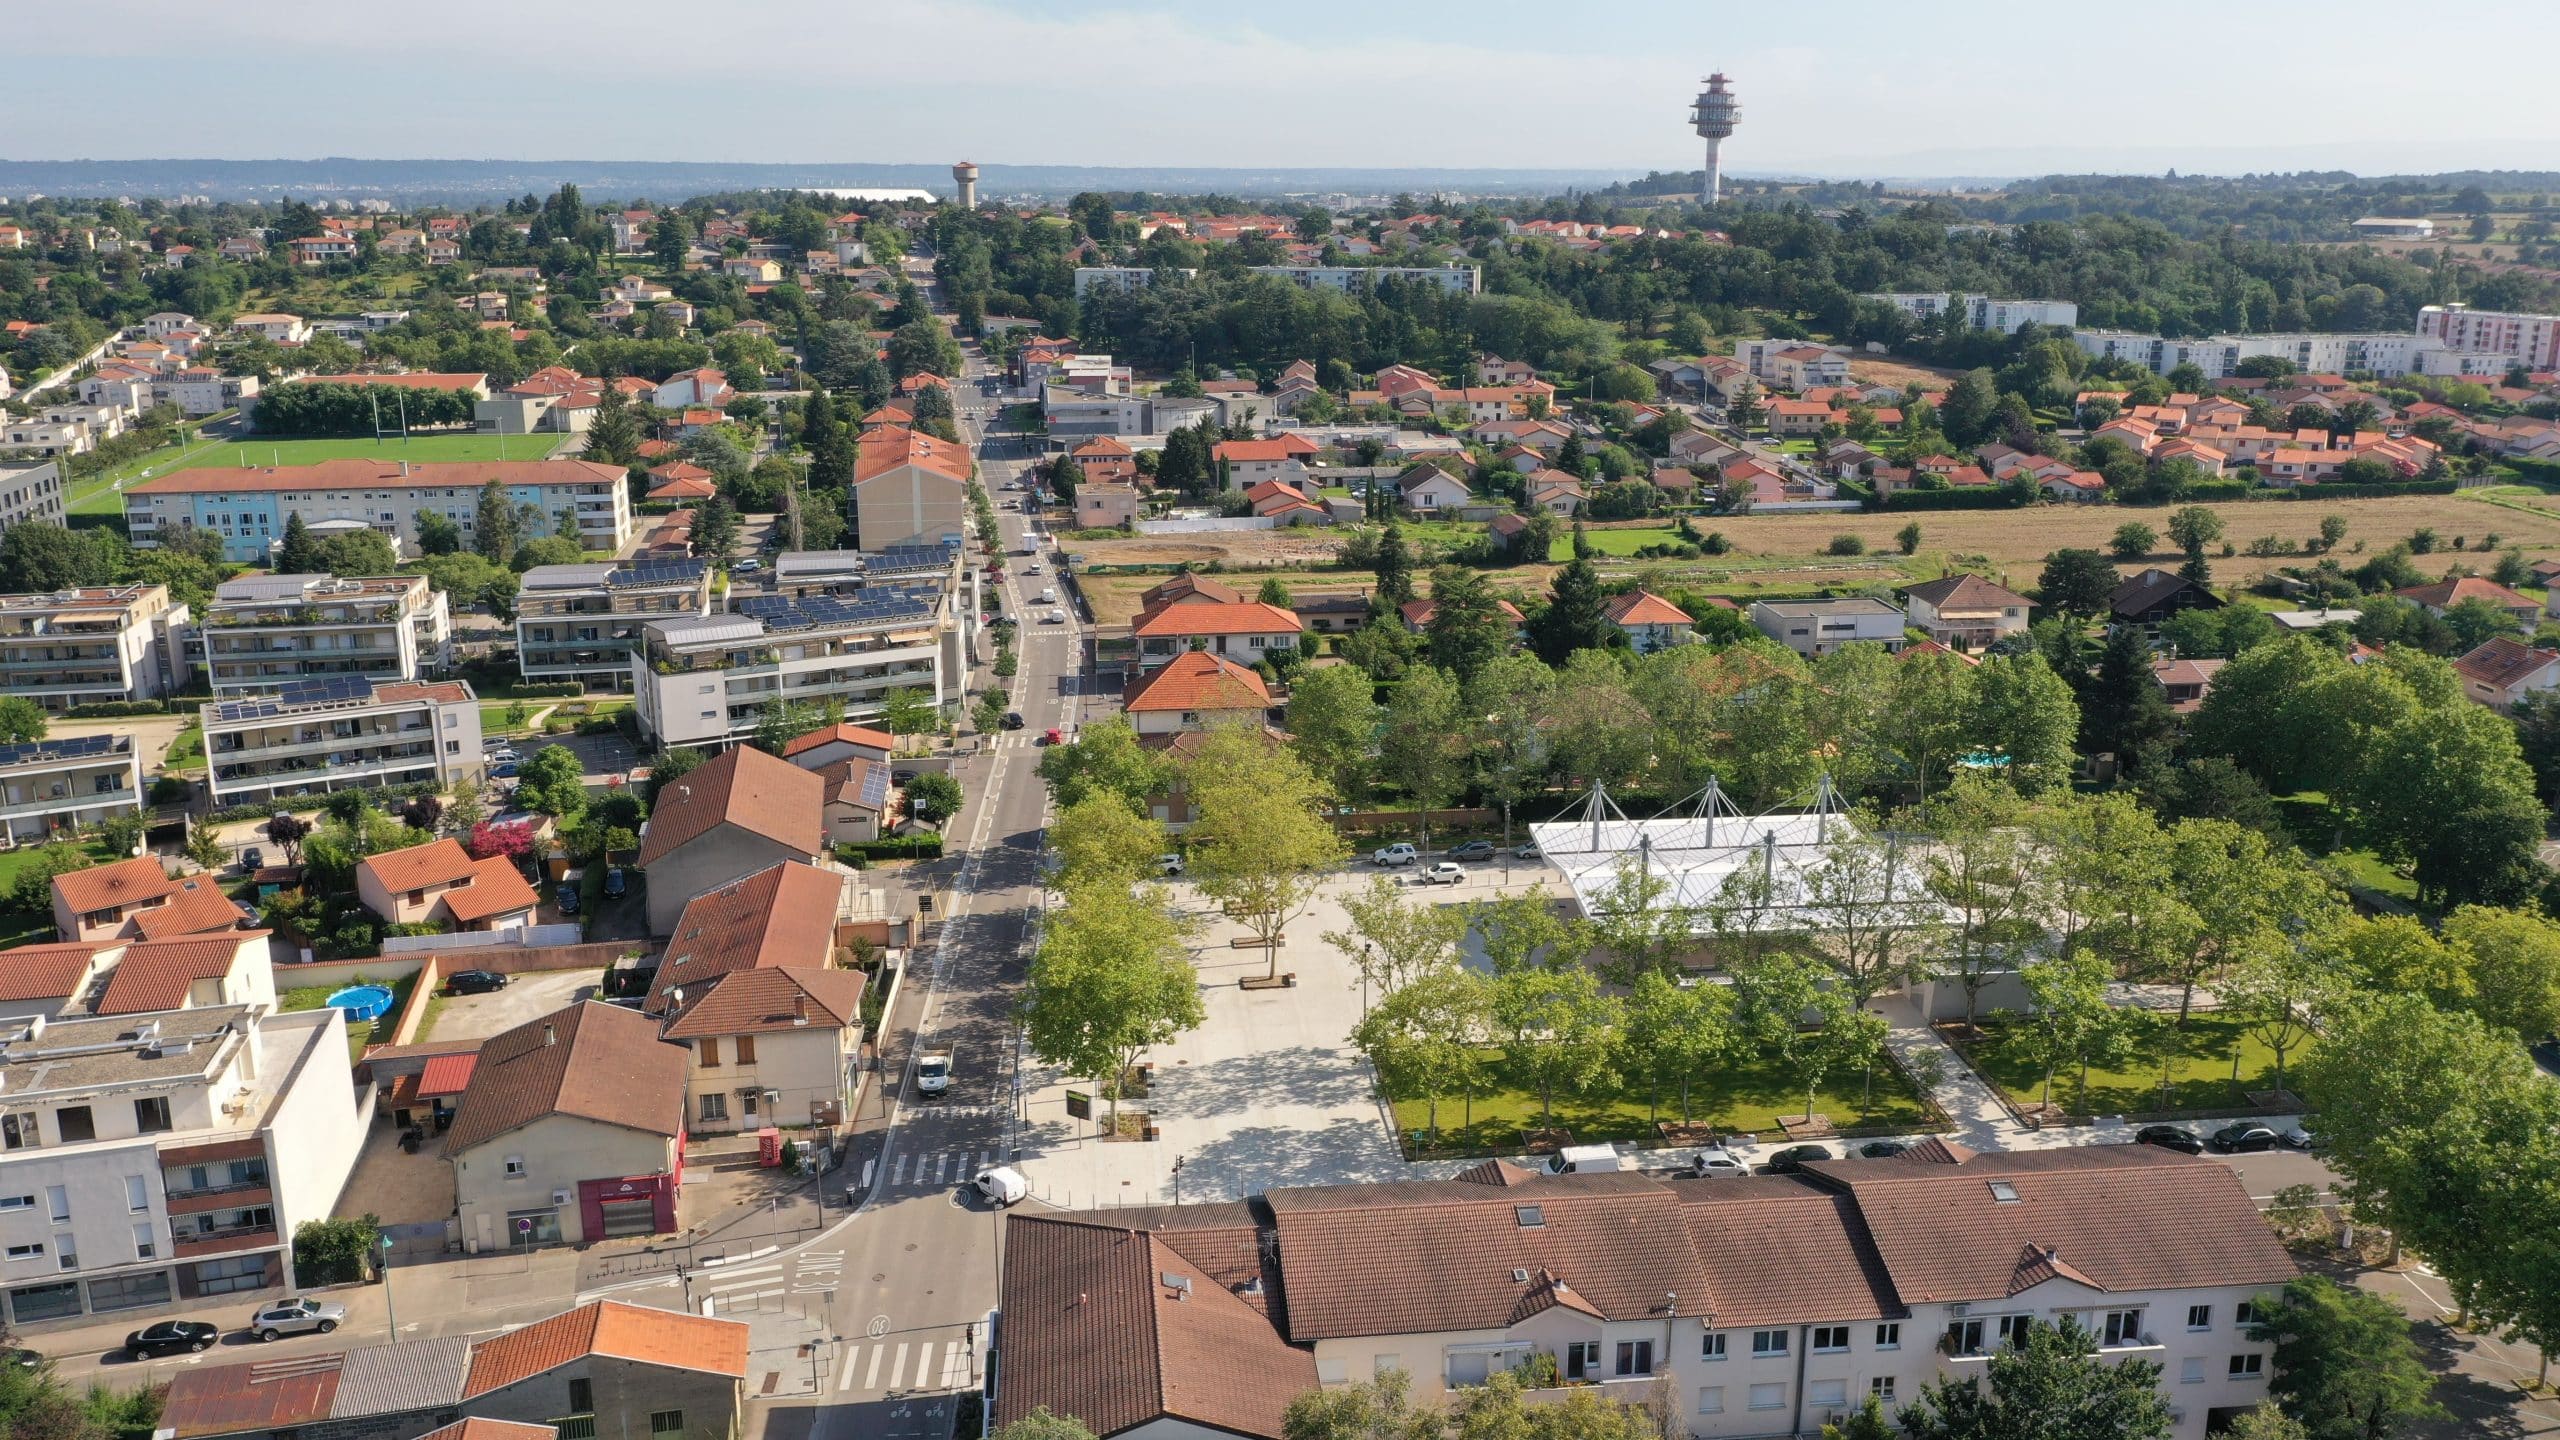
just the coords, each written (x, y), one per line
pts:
(1971, 1105)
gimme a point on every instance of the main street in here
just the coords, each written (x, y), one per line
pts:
(891, 1302)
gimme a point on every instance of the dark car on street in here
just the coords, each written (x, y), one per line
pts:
(616, 883)
(253, 860)
(474, 982)
(2244, 1138)
(567, 897)
(1793, 1158)
(1882, 1149)
(1472, 850)
(171, 1337)
(1013, 719)
(2169, 1137)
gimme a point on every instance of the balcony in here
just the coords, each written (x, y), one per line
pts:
(220, 1197)
(224, 1242)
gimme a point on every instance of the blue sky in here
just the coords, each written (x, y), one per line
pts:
(1985, 87)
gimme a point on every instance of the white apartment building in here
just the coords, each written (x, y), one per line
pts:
(1770, 1305)
(164, 1157)
(93, 646)
(1347, 279)
(581, 622)
(263, 631)
(316, 736)
(248, 507)
(2532, 341)
(1792, 364)
(707, 679)
(1918, 304)
(30, 492)
(2008, 316)
(67, 784)
(1818, 627)
(43, 438)
(2219, 356)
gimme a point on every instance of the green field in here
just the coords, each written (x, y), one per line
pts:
(1746, 1096)
(100, 496)
(1612, 542)
(359, 1032)
(2199, 1070)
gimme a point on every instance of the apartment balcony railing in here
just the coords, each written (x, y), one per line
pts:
(223, 1242)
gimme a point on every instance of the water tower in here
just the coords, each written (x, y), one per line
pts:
(1713, 116)
(966, 176)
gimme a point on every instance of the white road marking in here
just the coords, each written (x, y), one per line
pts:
(900, 1178)
(871, 1377)
(955, 1368)
(940, 1162)
(898, 1366)
(924, 1363)
(851, 1354)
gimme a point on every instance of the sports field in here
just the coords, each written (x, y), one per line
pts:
(101, 496)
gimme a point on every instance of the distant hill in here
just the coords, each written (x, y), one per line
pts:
(478, 181)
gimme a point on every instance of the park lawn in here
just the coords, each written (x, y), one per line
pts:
(187, 751)
(2308, 818)
(2200, 1070)
(433, 448)
(1745, 1097)
(1621, 541)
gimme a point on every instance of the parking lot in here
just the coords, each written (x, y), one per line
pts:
(477, 1017)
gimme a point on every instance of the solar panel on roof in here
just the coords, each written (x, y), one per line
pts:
(657, 572)
(70, 747)
(875, 786)
(324, 690)
(763, 605)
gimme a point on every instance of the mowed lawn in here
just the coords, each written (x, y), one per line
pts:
(2198, 1056)
(1748, 1096)
(103, 495)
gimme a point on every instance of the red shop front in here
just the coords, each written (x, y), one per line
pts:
(632, 1205)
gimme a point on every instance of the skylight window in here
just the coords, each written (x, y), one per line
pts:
(2004, 1192)
(1531, 1217)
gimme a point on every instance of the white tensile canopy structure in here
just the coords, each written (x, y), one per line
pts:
(1701, 852)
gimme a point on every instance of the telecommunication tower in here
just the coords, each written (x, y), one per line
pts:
(1713, 116)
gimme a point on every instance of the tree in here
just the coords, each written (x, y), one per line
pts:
(1377, 1408)
(1676, 1029)
(715, 529)
(1981, 872)
(1422, 748)
(2026, 712)
(1524, 930)
(1099, 840)
(2132, 540)
(668, 767)
(1575, 617)
(437, 535)
(2345, 1365)
(1423, 1036)
(1863, 910)
(32, 889)
(2446, 789)
(40, 556)
(2192, 528)
(1467, 628)
(21, 720)
(1041, 1425)
(1112, 978)
(1967, 412)
(933, 797)
(1393, 564)
(1104, 758)
(2239, 896)
(2052, 1385)
(493, 525)
(366, 552)
(1392, 940)
(2511, 968)
(1867, 1424)
(1333, 725)
(1907, 539)
(1563, 1031)
(2124, 712)
(1258, 836)
(1639, 922)
(488, 840)
(2072, 1020)
(422, 812)
(288, 831)
(2077, 583)
(2277, 989)
(336, 1252)
(300, 552)
(205, 847)
(552, 781)
(782, 721)
(907, 710)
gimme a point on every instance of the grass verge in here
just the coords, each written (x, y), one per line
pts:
(2191, 1068)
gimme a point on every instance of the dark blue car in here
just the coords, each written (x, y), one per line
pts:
(568, 899)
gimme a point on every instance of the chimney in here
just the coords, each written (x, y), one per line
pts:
(549, 1035)
(404, 467)
(800, 1008)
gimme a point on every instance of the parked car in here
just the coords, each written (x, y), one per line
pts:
(567, 896)
(504, 772)
(1031, 569)
(2301, 1137)
(1529, 851)
(253, 859)
(2170, 1137)
(19, 1358)
(1716, 1163)
(297, 1316)
(1472, 850)
(747, 566)
(171, 1337)
(1793, 1158)
(1396, 854)
(474, 982)
(1882, 1149)
(1013, 719)
(617, 883)
(2243, 1138)
(1054, 617)
(1585, 1159)
(933, 1072)
(1001, 1186)
(1445, 872)
(1168, 864)
(502, 755)
(1048, 597)
(1051, 736)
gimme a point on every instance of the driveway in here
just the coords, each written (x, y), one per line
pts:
(477, 1017)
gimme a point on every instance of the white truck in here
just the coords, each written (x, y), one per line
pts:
(933, 1072)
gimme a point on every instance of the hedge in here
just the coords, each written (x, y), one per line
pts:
(910, 847)
(549, 690)
(126, 709)
(2537, 472)
(1995, 499)
(2330, 490)
(384, 798)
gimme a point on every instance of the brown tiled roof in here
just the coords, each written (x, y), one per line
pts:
(198, 905)
(593, 1061)
(782, 915)
(846, 732)
(105, 887)
(1965, 592)
(475, 1428)
(1786, 1250)
(2127, 1217)
(1643, 607)
(759, 793)
(891, 447)
(2445, 594)
(1243, 617)
(247, 1399)
(1197, 680)
(438, 862)
(156, 974)
(1117, 1327)
(640, 1334)
(46, 972)
(1186, 586)
(1439, 1255)
(2502, 660)
(751, 1002)
(497, 888)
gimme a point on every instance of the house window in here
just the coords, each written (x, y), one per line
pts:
(582, 1396)
(2199, 1317)
(2014, 1330)
(66, 1253)
(2124, 1327)
(1964, 1337)
(1881, 1387)
(1821, 1393)
(75, 1124)
(1889, 1337)
(1768, 1342)
(1712, 1347)
(58, 1203)
(2248, 1367)
(666, 1422)
(1581, 1359)
(2245, 1313)
(1711, 1400)
(151, 1114)
(137, 1196)
(1830, 1339)
(746, 1049)
(1635, 1357)
(146, 1243)
(715, 1107)
(709, 1050)
(2191, 1370)
(515, 1166)
(32, 1250)
(17, 1202)
(19, 1132)
(1768, 1397)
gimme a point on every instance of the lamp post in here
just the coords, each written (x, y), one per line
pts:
(391, 1310)
(1177, 1179)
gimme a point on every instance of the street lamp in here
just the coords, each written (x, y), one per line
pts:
(1177, 1179)
(389, 1309)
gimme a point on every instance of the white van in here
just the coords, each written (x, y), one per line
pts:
(1587, 1159)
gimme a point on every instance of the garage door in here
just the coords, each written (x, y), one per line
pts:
(630, 1217)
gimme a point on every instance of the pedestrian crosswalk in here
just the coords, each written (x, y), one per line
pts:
(875, 1367)
(940, 1167)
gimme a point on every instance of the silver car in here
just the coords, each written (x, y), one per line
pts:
(296, 1316)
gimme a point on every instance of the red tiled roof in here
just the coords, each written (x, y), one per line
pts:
(762, 794)
(475, 1427)
(592, 1061)
(46, 972)
(157, 974)
(1242, 617)
(748, 1002)
(2502, 661)
(447, 1074)
(438, 862)
(1418, 613)
(641, 1334)
(889, 447)
(846, 732)
(120, 883)
(198, 906)
(497, 888)
(1643, 607)
(2445, 594)
(782, 915)
(1197, 680)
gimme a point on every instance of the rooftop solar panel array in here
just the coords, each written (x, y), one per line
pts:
(298, 695)
(810, 612)
(657, 572)
(69, 747)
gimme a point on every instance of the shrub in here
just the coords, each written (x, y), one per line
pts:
(1845, 545)
(125, 709)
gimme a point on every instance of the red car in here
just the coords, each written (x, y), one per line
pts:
(1051, 737)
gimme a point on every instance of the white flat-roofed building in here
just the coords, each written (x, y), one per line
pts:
(163, 1156)
(581, 622)
(2395, 227)
(2219, 356)
(262, 631)
(2007, 316)
(2532, 341)
(92, 645)
(316, 736)
(69, 783)
(1818, 627)
(248, 507)
(708, 679)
